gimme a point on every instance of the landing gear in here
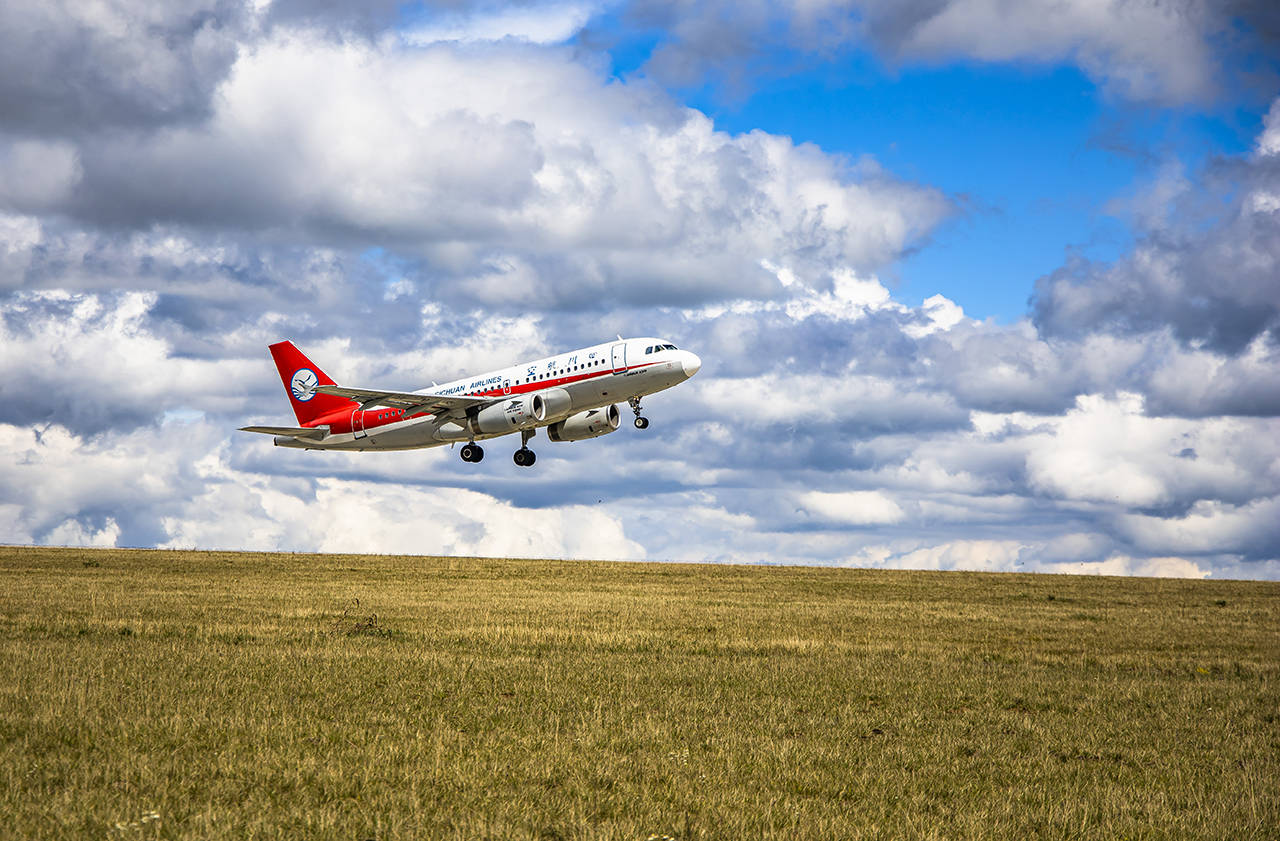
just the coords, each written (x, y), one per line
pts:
(524, 457)
(472, 452)
(641, 422)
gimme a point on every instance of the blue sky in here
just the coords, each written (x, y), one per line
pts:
(1035, 154)
(976, 285)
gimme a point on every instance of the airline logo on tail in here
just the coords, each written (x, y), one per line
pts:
(303, 385)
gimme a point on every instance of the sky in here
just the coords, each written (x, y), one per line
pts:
(976, 284)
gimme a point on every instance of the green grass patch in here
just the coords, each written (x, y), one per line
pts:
(212, 695)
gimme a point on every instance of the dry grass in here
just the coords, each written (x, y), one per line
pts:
(221, 695)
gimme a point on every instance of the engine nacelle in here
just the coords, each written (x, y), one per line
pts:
(551, 403)
(515, 413)
(589, 424)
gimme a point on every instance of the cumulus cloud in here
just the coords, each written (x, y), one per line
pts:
(1110, 450)
(486, 168)
(1213, 281)
(857, 508)
(89, 363)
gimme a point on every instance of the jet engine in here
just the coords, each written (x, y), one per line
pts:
(515, 413)
(590, 424)
(505, 416)
(551, 403)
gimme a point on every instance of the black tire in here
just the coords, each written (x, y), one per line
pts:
(466, 453)
(477, 454)
(642, 423)
(524, 457)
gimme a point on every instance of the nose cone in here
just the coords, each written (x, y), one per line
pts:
(691, 363)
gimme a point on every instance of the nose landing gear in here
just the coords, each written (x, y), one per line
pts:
(641, 422)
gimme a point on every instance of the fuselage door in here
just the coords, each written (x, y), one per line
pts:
(619, 357)
(506, 386)
(357, 424)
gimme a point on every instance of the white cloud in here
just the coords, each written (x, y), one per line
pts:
(1108, 450)
(1162, 567)
(75, 533)
(1018, 556)
(359, 516)
(492, 161)
(942, 314)
(858, 508)
(1091, 453)
(91, 361)
(987, 555)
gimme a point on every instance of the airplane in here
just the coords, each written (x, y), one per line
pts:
(572, 395)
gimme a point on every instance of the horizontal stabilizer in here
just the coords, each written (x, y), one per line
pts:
(311, 433)
(412, 404)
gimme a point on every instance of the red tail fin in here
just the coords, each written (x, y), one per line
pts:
(300, 377)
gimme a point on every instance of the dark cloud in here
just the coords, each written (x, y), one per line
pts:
(345, 16)
(67, 68)
(1213, 284)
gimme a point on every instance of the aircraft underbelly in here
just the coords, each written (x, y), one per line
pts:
(400, 437)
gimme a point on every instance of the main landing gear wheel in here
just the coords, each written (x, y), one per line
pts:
(641, 423)
(524, 456)
(472, 452)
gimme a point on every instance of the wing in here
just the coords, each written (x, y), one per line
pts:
(412, 404)
(315, 432)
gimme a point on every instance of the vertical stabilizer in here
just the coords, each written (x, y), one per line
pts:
(300, 377)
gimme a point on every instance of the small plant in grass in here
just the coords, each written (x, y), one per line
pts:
(354, 623)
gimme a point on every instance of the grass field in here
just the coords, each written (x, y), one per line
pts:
(248, 696)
